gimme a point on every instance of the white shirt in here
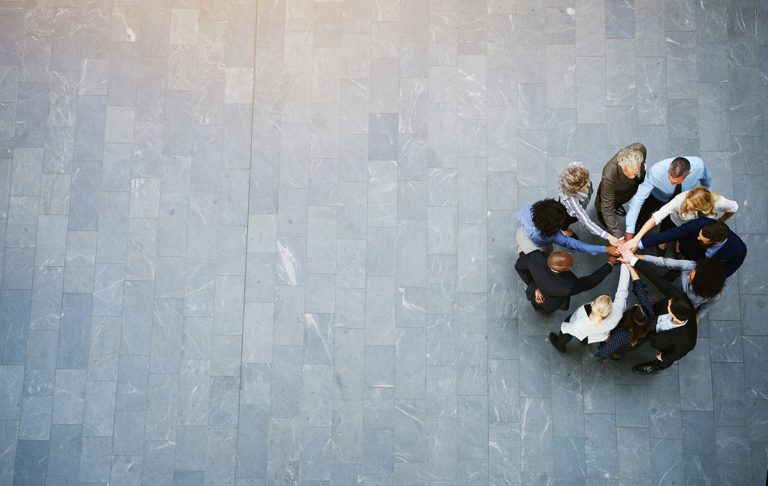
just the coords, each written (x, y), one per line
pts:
(664, 323)
(672, 209)
(580, 326)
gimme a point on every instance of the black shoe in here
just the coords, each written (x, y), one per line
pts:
(553, 342)
(643, 369)
(620, 210)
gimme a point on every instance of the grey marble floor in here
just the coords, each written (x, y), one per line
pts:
(272, 242)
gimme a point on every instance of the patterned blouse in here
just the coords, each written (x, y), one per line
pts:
(621, 337)
(576, 206)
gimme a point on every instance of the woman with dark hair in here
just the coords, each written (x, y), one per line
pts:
(634, 324)
(541, 224)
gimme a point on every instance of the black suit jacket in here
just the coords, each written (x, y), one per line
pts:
(556, 287)
(732, 253)
(674, 343)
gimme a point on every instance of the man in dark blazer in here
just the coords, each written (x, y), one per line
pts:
(674, 333)
(621, 177)
(550, 282)
(704, 237)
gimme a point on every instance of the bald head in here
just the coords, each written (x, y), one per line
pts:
(560, 261)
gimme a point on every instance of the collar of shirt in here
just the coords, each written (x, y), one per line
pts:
(714, 248)
(662, 188)
(664, 323)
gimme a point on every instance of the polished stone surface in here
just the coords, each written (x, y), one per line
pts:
(272, 242)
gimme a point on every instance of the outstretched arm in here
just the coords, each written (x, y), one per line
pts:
(592, 280)
(637, 202)
(641, 292)
(673, 234)
(668, 262)
(574, 207)
(577, 245)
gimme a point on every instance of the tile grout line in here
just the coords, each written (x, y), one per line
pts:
(247, 229)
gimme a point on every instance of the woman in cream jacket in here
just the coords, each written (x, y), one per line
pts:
(594, 322)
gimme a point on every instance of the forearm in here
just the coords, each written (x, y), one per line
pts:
(725, 217)
(636, 203)
(648, 226)
(670, 263)
(578, 245)
(583, 217)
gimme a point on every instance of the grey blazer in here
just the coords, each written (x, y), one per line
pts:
(616, 189)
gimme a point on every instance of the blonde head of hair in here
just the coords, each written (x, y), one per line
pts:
(573, 178)
(601, 307)
(629, 157)
(699, 200)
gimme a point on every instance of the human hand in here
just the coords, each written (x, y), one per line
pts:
(613, 241)
(626, 254)
(539, 297)
(658, 356)
(612, 250)
(628, 236)
(613, 260)
(632, 244)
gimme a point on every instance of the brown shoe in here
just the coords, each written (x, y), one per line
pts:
(615, 356)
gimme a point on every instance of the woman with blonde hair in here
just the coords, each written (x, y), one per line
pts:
(575, 193)
(593, 322)
(687, 206)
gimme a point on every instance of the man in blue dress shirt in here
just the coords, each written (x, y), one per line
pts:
(663, 181)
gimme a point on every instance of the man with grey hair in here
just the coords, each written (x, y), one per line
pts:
(665, 180)
(621, 177)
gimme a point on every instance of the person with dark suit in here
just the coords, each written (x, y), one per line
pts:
(674, 333)
(621, 177)
(704, 237)
(550, 283)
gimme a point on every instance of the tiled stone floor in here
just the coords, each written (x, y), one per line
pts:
(272, 242)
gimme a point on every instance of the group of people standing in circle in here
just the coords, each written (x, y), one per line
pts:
(674, 194)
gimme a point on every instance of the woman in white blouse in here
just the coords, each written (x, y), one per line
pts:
(595, 321)
(688, 206)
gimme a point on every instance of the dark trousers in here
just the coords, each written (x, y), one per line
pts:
(650, 206)
(563, 339)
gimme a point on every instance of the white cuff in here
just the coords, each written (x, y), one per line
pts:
(633, 261)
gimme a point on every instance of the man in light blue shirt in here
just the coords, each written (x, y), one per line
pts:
(663, 181)
(540, 225)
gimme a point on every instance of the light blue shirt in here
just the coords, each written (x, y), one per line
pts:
(665, 323)
(714, 248)
(657, 183)
(525, 218)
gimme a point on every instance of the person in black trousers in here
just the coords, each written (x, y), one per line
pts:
(550, 282)
(674, 333)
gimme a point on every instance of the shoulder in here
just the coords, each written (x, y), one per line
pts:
(611, 168)
(696, 224)
(660, 168)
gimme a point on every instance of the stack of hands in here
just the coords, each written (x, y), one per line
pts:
(621, 250)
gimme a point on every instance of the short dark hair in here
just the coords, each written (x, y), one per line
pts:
(548, 216)
(680, 167)
(682, 308)
(716, 231)
(709, 279)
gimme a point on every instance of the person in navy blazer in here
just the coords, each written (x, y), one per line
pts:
(704, 237)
